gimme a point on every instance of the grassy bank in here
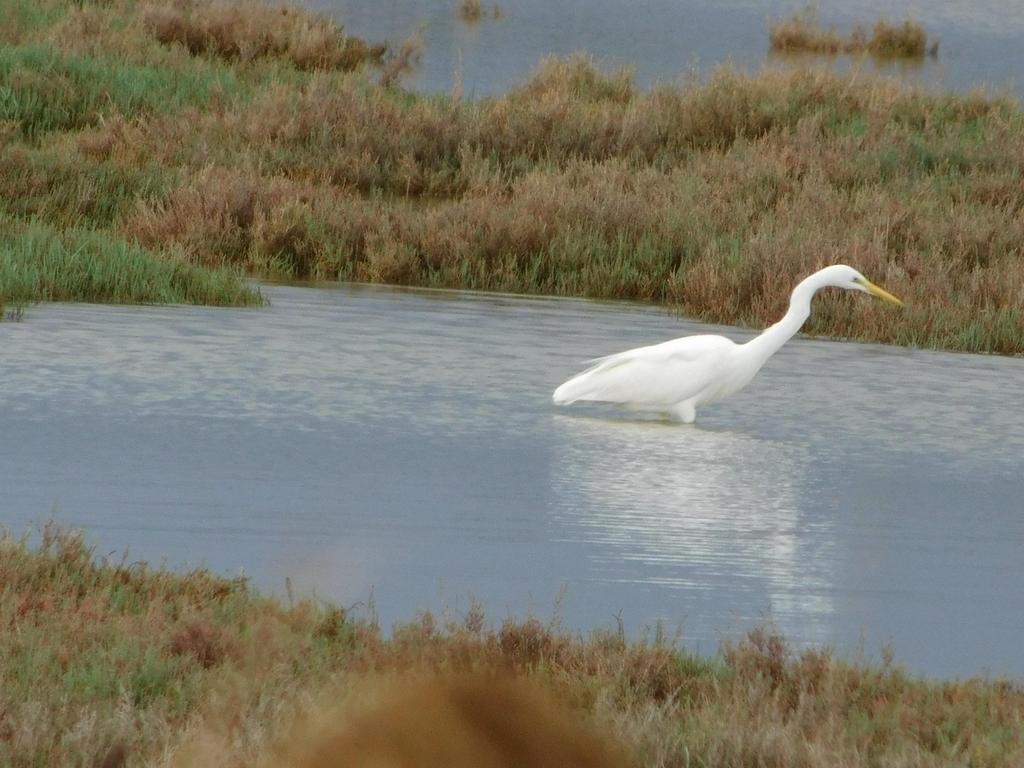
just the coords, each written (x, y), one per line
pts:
(714, 197)
(118, 661)
(38, 262)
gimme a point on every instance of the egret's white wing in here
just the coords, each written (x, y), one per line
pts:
(658, 375)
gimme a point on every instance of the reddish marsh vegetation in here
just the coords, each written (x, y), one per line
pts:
(116, 661)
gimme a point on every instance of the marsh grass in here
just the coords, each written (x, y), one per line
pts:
(802, 32)
(714, 196)
(22, 17)
(105, 657)
(46, 90)
(396, 65)
(244, 30)
(41, 263)
(65, 187)
(472, 11)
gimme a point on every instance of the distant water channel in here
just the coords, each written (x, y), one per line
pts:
(980, 40)
(401, 444)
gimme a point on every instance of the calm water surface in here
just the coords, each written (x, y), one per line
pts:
(981, 41)
(403, 443)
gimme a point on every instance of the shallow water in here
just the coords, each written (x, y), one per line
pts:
(980, 40)
(400, 443)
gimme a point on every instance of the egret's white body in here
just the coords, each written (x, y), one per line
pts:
(679, 375)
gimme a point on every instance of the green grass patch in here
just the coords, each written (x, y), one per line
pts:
(66, 187)
(43, 90)
(40, 263)
(22, 17)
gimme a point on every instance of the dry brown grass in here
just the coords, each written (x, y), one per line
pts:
(245, 30)
(802, 32)
(907, 40)
(472, 11)
(111, 660)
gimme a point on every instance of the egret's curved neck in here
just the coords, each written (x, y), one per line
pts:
(772, 338)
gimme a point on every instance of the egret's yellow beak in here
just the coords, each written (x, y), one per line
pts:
(881, 293)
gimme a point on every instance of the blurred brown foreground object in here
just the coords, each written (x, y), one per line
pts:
(475, 721)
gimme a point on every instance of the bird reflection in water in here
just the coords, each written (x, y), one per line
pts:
(714, 513)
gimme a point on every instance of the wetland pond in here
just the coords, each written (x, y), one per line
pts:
(979, 40)
(402, 443)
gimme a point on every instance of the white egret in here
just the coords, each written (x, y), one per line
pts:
(679, 375)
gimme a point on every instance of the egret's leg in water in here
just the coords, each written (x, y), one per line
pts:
(684, 412)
